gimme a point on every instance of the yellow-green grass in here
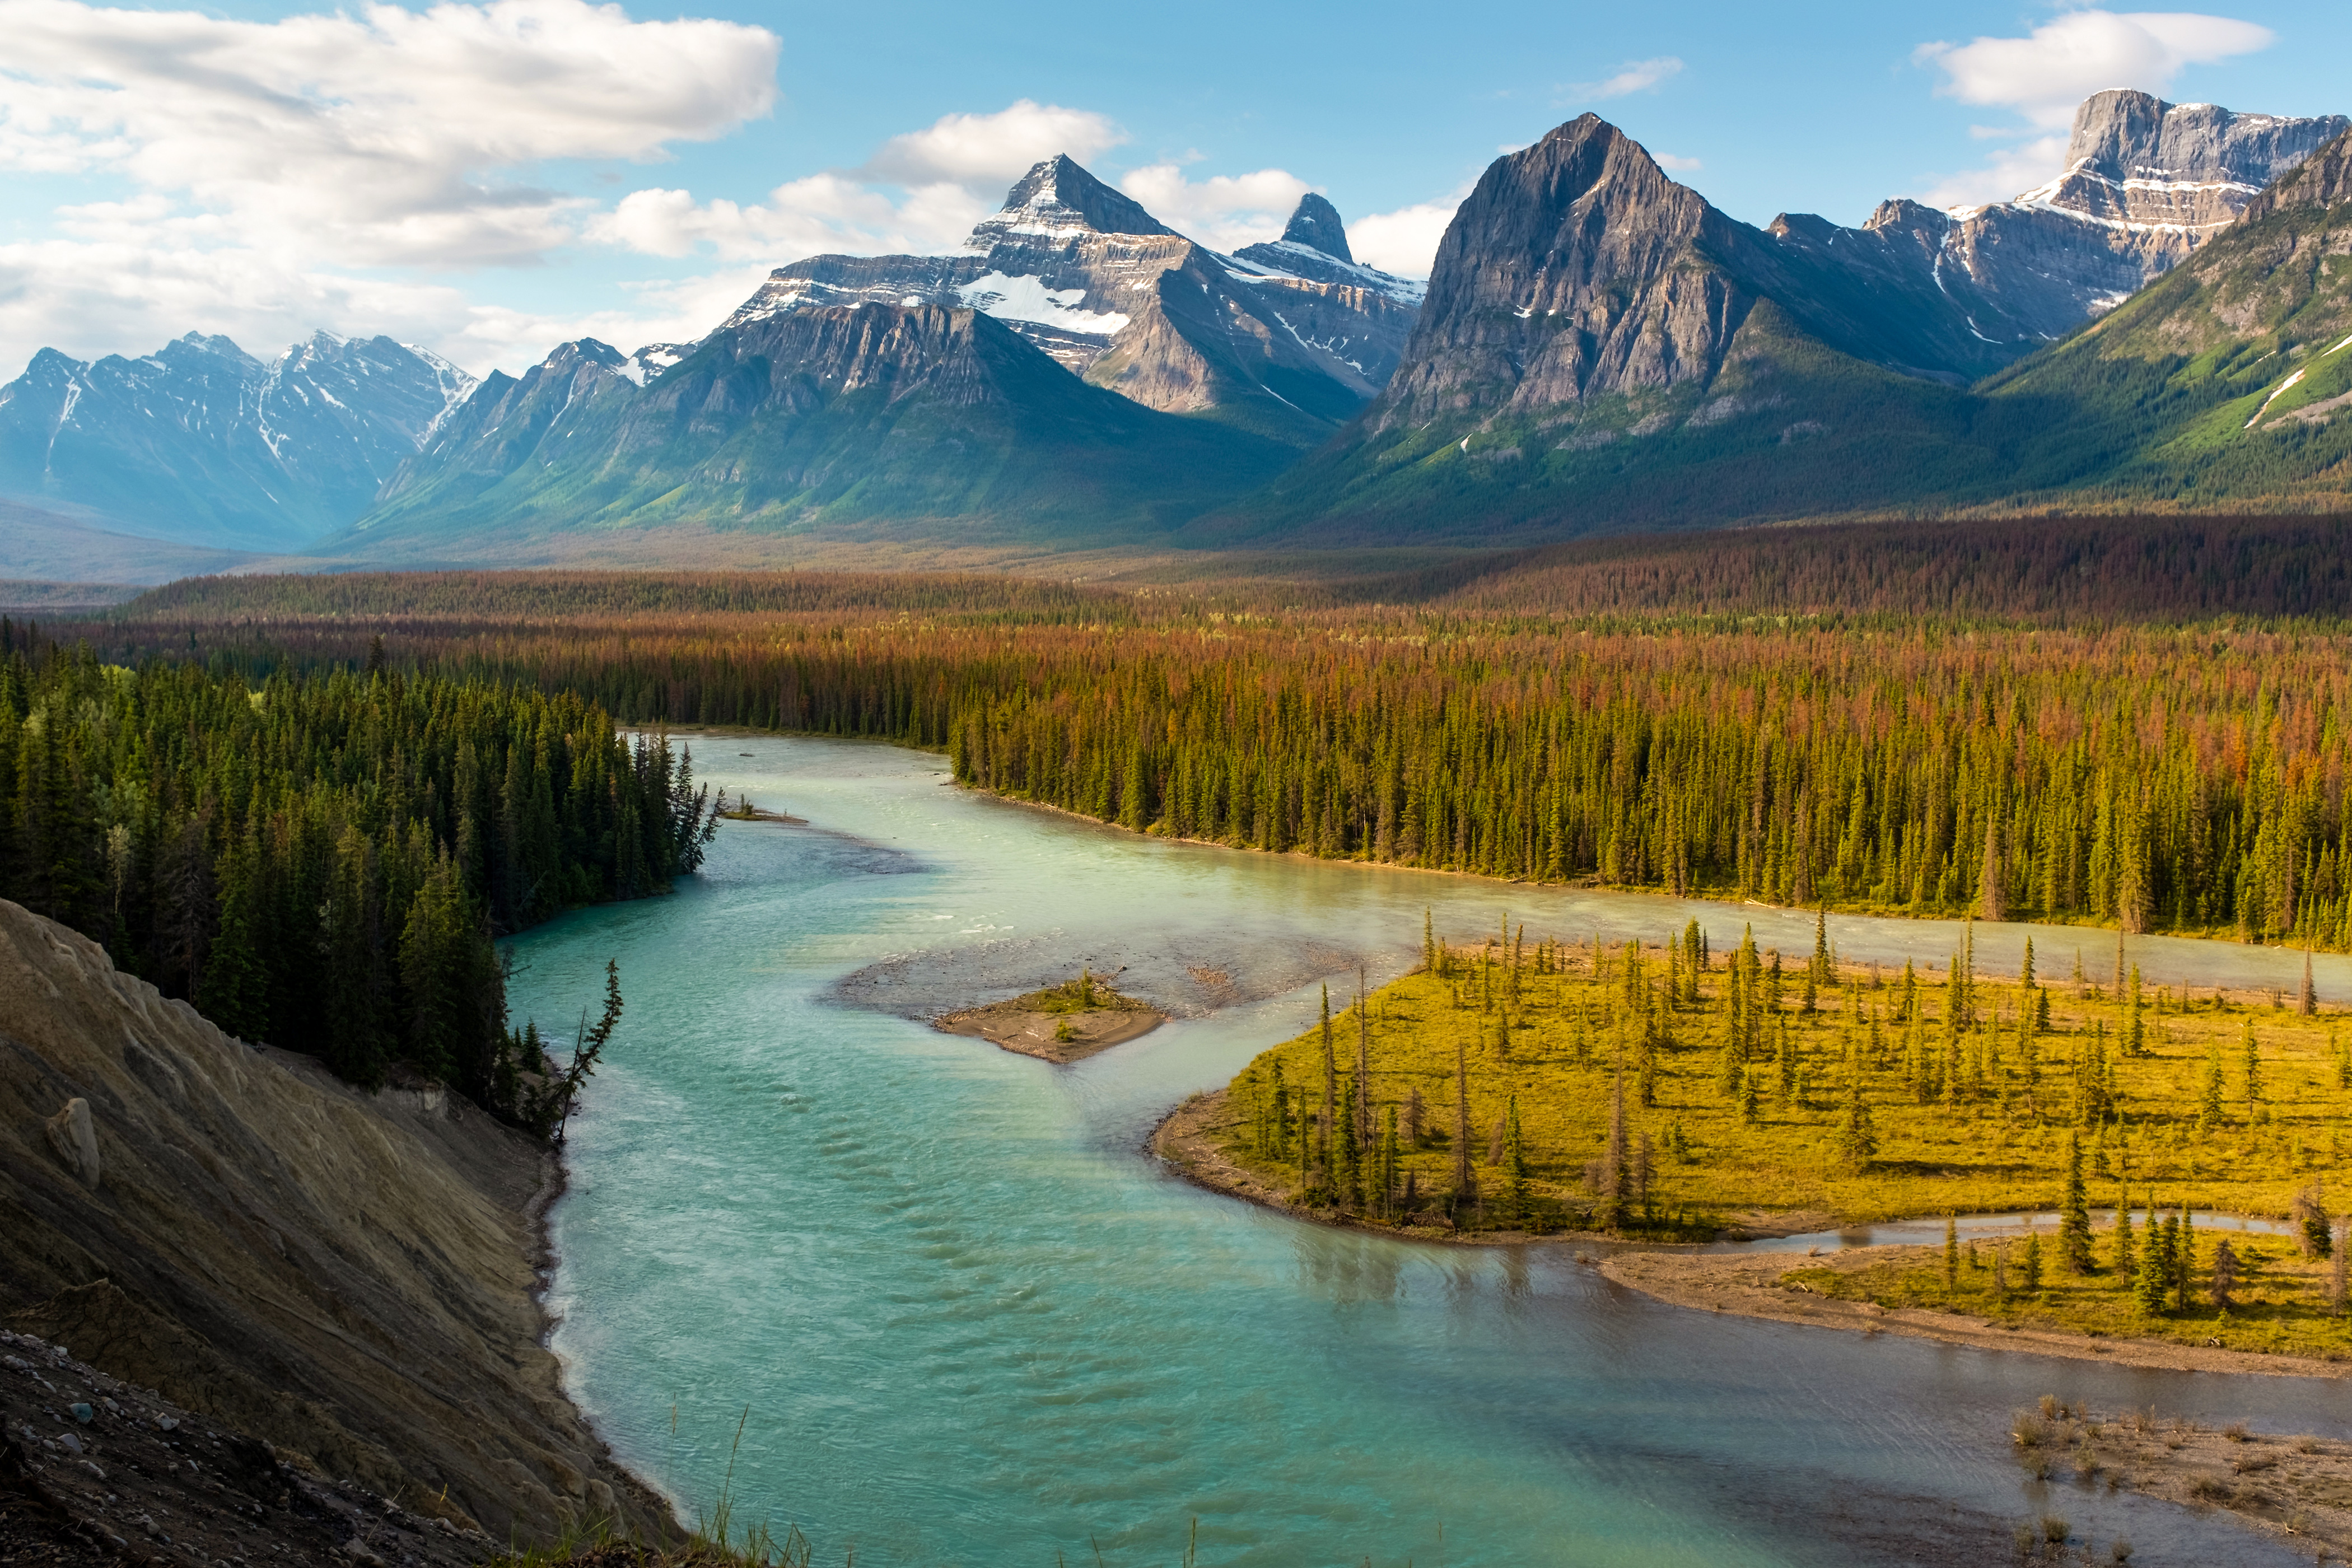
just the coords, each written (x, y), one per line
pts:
(2003, 1147)
(2279, 1307)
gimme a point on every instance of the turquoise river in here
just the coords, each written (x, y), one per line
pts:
(971, 1322)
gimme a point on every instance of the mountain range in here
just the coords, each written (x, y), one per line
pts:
(1598, 349)
(202, 444)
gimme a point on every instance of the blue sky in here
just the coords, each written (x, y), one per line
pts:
(487, 179)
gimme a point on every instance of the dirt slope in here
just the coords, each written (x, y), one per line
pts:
(347, 1277)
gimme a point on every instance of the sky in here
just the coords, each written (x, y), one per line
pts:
(487, 180)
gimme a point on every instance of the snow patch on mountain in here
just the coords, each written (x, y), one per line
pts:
(1026, 299)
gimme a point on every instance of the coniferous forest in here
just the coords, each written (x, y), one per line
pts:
(321, 859)
(2136, 761)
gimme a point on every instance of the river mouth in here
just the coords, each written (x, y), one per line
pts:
(973, 1323)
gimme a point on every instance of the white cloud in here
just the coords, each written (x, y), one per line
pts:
(990, 150)
(1404, 241)
(2045, 76)
(1632, 76)
(278, 176)
(1223, 212)
(2011, 171)
(921, 191)
(388, 137)
(1679, 165)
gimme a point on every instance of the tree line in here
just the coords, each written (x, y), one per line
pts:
(322, 862)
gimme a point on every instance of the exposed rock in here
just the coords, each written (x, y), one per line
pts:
(75, 1138)
(1113, 294)
(1315, 225)
(346, 1276)
(2146, 183)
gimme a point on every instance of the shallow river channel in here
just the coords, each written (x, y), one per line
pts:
(973, 1323)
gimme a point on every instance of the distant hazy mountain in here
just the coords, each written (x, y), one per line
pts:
(1288, 339)
(1602, 350)
(913, 420)
(202, 444)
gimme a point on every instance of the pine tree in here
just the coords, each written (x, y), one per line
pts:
(1388, 1170)
(2208, 1107)
(2075, 1224)
(2152, 1284)
(2225, 1275)
(2031, 1271)
(2126, 1264)
(1750, 1100)
(2253, 1071)
(1616, 1160)
(1951, 1255)
(1858, 1138)
(1429, 940)
(1515, 1158)
(2025, 973)
(1465, 1181)
(1325, 1152)
(2184, 1263)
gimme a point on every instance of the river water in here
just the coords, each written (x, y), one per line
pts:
(961, 1317)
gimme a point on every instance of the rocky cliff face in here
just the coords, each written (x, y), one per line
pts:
(200, 443)
(344, 1275)
(1577, 271)
(2146, 183)
(1292, 337)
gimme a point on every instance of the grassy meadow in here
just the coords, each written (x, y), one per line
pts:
(1754, 1084)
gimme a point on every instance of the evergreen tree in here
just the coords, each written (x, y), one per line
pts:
(2075, 1224)
(2307, 999)
(2208, 1107)
(1858, 1138)
(2151, 1284)
(2253, 1071)
(2126, 1264)
(2224, 1278)
(2025, 971)
(2184, 1262)
(1515, 1158)
(1951, 1255)
(1750, 1100)
(2031, 1271)
(1388, 1170)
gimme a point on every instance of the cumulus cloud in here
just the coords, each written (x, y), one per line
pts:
(385, 137)
(1404, 241)
(1632, 76)
(1223, 212)
(991, 149)
(280, 176)
(921, 191)
(2044, 75)
(1677, 165)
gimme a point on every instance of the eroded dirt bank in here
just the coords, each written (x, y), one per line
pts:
(348, 1277)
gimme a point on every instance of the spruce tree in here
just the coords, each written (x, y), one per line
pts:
(1951, 1255)
(2150, 1285)
(2253, 1071)
(1514, 1156)
(2031, 1271)
(1465, 1181)
(2209, 1109)
(1325, 1152)
(2025, 971)
(2184, 1262)
(1858, 1138)
(2307, 1000)
(2125, 1261)
(1750, 1100)
(2075, 1224)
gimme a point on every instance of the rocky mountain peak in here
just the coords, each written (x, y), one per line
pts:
(2122, 134)
(1317, 226)
(1057, 198)
(2323, 179)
